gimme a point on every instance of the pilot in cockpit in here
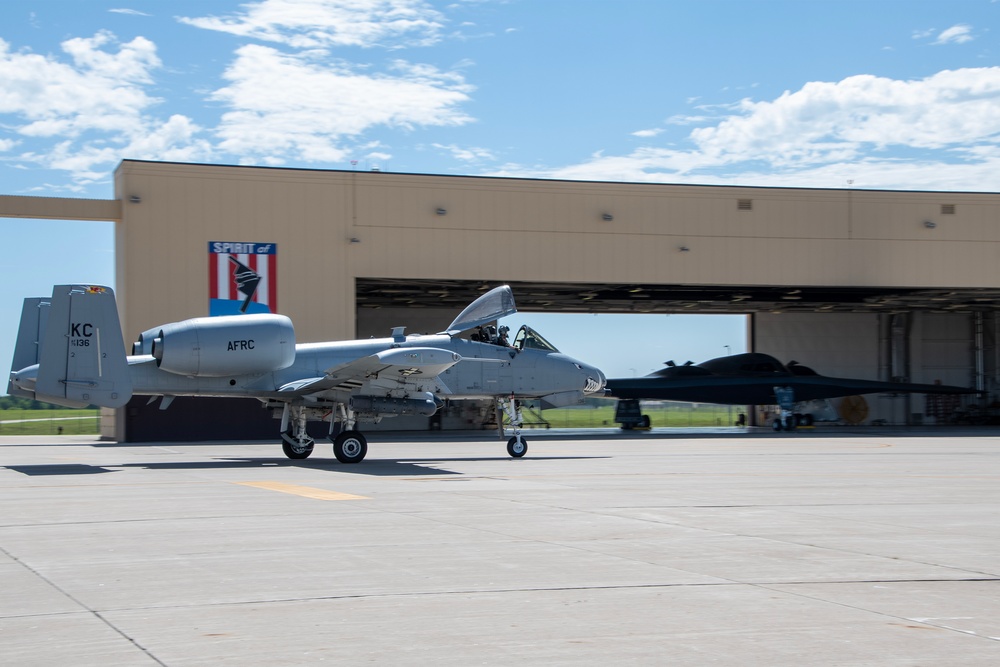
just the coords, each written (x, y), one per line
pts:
(489, 334)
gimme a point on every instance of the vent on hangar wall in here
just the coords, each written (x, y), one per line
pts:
(744, 204)
(947, 209)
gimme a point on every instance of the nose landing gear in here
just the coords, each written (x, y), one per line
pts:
(516, 446)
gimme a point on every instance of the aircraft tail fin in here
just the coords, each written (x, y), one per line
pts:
(81, 356)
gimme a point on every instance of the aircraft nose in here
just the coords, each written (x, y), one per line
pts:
(595, 379)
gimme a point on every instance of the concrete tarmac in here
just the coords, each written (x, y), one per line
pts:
(850, 547)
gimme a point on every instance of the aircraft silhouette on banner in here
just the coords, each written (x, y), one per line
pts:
(247, 282)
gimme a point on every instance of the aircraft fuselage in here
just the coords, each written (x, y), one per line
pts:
(485, 371)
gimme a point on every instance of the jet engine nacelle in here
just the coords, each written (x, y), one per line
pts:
(393, 406)
(221, 346)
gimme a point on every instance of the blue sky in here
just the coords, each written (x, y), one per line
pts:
(896, 94)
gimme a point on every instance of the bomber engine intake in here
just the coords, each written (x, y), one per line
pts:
(221, 346)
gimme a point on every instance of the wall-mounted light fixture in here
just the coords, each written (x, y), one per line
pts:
(135, 199)
(441, 211)
(354, 239)
(929, 224)
(607, 217)
(683, 248)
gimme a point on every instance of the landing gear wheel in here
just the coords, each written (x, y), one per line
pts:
(517, 446)
(296, 449)
(790, 423)
(777, 425)
(350, 447)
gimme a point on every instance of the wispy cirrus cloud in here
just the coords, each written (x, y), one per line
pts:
(310, 24)
(129, 12)
(957, 34)
(467, 153)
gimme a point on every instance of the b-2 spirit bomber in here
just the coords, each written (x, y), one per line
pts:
(751, 378)
(70, 351)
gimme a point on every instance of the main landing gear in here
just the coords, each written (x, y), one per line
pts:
(791, 421)
(349, 445)
(788, 419)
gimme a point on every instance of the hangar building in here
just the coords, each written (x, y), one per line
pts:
(854, 283)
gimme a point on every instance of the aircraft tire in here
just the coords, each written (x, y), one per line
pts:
(777, 425)
(297, 450)
(350, 447)
(517, 447)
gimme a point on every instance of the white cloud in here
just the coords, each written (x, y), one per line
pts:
(95, 107)
(130, 12)
(467, 154)
(307, 24)
(647, 133)
(306, 106)
(825, 121)
(940, 132)
(100, 90)
(174, 140)
(957, 34)
(291, 106)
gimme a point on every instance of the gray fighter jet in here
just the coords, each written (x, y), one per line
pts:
(70, 351)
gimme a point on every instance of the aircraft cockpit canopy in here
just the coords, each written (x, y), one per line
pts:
(527, 338)
(482, 315)
(497, 303)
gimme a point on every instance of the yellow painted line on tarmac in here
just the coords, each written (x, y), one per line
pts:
(304, 491)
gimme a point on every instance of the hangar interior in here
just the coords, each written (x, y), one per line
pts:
(854, 283)
(920, 335)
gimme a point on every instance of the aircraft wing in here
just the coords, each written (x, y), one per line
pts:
(403, 365)
(735, 390)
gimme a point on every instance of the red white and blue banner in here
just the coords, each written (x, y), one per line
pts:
(242, 278)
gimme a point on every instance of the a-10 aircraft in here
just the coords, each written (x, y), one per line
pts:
(70, 351)
(748, 379)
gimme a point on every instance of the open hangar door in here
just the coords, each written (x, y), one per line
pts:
(889, 334)
(922, 347)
